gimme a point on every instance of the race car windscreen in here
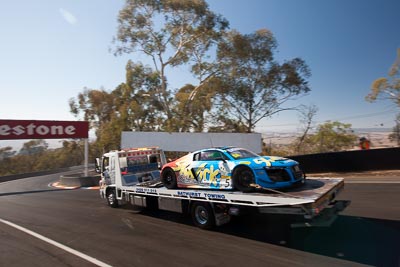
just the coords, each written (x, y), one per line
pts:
(240, 153)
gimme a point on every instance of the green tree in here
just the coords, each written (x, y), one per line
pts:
(330, 137)
(192, 114)
(224, 124)
(130, 106)
(31, 152)
(253, 84)
(41, 158)
(138, 107)
(33, 147)
(6, 152)
(96, 106)
(8, 166)
(6, 156)
(72, 153)
(307, 114)
(171, 34)
(387, 87)
(395, 135)
(185, 33)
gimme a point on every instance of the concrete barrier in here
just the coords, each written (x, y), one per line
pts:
(351, 161)
(32, 174)
(345, 161)
(78, 179)
(41, 173)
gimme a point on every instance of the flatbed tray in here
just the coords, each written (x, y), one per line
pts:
(314, 189)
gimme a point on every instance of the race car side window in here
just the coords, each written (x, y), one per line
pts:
(212, 155)
(206, 155)
(196, 157)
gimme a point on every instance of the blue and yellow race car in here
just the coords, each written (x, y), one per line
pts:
(230, 168)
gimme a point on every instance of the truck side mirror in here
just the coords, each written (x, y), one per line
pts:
(97, 165)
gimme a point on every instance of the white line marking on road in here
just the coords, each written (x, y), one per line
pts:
(59, 245)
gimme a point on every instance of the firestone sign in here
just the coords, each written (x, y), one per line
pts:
(32, 129)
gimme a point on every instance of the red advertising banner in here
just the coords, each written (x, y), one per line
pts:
(32, 129)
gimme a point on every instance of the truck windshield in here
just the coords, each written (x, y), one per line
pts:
(134, 161)
(138, 164)
(240, 153)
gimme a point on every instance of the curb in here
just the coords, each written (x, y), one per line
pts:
(60, 186)
(78, 180)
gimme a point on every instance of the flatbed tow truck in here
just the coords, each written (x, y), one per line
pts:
(133, 176)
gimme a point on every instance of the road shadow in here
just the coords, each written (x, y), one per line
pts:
(368, 241)
(365, 240)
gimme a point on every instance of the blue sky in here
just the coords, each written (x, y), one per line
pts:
(51, 49)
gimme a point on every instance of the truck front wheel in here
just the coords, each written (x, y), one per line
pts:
(202, 215)
(112, 199)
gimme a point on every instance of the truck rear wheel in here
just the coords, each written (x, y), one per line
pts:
(202, 215)
(168, 177)
(112, 199)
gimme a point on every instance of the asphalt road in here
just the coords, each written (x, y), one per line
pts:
(77, 228)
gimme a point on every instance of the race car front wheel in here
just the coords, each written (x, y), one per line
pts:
(242, 178)
(168, 178)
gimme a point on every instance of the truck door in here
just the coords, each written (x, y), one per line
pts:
(112, 169)
(108, 169)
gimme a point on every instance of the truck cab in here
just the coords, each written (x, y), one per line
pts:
(128, 167)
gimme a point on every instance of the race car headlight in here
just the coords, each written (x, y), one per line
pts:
(297, 172)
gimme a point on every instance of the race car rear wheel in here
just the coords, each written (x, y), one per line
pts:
(202, 215)
(168, 178)
(242, 178)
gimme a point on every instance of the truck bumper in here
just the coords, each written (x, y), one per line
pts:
(326, 217)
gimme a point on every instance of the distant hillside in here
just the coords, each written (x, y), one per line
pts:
(369, 130)
(379, 137)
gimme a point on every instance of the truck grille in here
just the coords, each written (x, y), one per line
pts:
(278, 175)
